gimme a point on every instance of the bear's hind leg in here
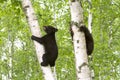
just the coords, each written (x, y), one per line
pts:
(45, 60)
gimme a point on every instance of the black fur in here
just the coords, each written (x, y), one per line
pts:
(50, 45)
(88, 37)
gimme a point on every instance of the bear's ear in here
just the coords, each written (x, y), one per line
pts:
(56, 29)
(46, 29)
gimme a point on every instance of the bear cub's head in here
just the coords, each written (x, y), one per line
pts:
(50, 29)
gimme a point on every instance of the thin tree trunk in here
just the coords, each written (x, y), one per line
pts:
(81, 60)
(10, 50)
(34, 26)
(90, 16)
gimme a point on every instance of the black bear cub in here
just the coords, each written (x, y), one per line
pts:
(88, 37)
(50, 46)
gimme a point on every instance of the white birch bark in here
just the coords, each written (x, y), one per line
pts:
(81, 60)
(34, 26)
(90, 16)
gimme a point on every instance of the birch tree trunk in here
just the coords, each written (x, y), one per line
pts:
(81, 60)
(34, 26)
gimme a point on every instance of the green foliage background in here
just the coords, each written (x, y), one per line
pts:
(15, 37)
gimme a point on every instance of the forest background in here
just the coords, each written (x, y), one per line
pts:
(16, 46)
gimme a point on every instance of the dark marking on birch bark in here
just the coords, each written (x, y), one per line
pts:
(83, 64)
(33, 25)
(75, 23)
(35, 19)
(33, 14)
(71, 32)
(27, 6)
(79, 71)
(74, 0)
(77, 41)
(27, 17)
